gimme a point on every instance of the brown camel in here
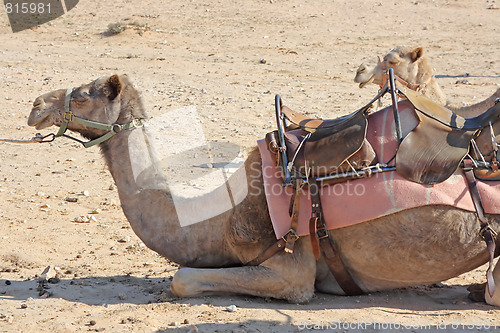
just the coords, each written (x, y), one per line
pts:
(413, 247)
(413, 67)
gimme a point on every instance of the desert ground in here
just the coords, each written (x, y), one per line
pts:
(227, 59)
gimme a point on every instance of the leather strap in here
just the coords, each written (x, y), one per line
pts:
(327, 246)
(267, 253)
(315, 220)
(486, 231)
(291, 236)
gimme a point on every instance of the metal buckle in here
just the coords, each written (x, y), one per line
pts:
(116, 128)
(290, 232)
(322, 233)
(486, 228)
(68, 116)
(137, 122)
(44, 138)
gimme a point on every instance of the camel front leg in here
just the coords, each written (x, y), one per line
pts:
(285, 279)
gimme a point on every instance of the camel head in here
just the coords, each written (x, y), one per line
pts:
(370, 71)
(107, 100)
(406, 62)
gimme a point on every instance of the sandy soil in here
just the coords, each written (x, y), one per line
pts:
(228, 58)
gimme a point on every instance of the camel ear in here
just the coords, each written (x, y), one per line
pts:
(113, 87)
(416, 54)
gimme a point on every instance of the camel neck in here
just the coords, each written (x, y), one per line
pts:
(149, 207)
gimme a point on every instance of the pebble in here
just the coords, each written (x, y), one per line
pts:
(48, 273)
(71, 199)
(86, 193)
(7, 282)
(125, 239)
(92, 323)
(24, 306)
(54, 280)
(85, 219)
(231, 308)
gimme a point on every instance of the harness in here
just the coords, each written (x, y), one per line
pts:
(413, 86)
(452, 133)
(112, 129)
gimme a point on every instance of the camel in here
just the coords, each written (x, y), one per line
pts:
(417, 246)
(411, 66)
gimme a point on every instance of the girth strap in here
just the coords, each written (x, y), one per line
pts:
(291, 236)
(486, 232)
(319, 234)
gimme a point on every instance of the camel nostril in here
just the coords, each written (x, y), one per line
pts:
(38, 102)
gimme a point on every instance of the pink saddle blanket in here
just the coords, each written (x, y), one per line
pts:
(356, 201)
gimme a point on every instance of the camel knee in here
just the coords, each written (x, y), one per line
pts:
(180, 285)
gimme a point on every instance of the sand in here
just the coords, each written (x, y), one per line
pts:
(227, 59)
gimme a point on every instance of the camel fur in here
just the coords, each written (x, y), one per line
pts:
(418, 246)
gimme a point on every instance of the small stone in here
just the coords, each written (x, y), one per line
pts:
(54, 280)
(125, 239)
(231, 308)
(81, 219)
(24, 306)
(85, 219)
(7, 282)
(95, 211)
(92, 323)
(71, 199)
(48, 273)
(263, 61)
(86, 193)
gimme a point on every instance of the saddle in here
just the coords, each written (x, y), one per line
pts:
(312, 151)
(429, 154)
(438, 144)
(317, 147)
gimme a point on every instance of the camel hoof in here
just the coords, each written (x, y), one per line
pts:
(476, 292)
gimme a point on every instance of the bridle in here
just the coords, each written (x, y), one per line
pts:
(412, 86)
(112, 129)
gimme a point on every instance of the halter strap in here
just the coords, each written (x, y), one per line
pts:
(112, 129)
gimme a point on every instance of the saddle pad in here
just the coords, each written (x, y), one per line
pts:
(380, 195)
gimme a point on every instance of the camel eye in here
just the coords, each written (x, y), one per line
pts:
(392, 62)
(361, 70)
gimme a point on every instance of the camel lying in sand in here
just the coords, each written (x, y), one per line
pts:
(417, 246)
(412, 67)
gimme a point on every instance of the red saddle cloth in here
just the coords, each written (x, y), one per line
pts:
(360, 200)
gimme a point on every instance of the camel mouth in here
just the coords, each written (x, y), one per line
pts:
(38, 120)
(370, 80)
(41, 124)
